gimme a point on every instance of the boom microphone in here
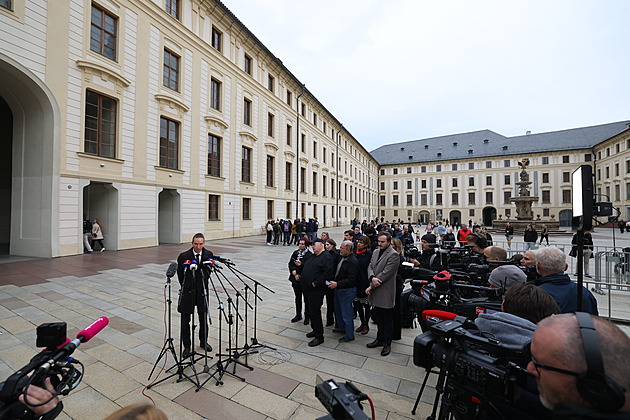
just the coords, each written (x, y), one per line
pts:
(221, 259)
(212, 263)
(172, 269)
(94, 328)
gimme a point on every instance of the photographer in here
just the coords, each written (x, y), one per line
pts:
(429, 259)
(34, 395)
(502, 276)
(477, 241)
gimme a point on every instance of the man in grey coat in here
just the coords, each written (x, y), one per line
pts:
(382, 291)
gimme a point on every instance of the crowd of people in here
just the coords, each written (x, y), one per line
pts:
(290, 232)
(363, 281)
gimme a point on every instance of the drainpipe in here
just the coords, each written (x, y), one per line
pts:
(297, 145)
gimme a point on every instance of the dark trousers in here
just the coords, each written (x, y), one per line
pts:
(269, 234)
(286, 239)
(330, 306)
(385, 322)
(315, 301)
(343, 310)
(364, 310)
(299, 296)
(185, 327)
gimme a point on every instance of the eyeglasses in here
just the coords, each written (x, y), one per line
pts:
(539, 366)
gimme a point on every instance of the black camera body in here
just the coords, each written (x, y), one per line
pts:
(342, 401)
(478, 371)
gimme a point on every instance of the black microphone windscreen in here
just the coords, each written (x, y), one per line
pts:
(172, 269)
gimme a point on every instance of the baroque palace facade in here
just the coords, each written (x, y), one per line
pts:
(163, 118)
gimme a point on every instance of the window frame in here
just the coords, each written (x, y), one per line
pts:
(216, 39)
(214, 155)
(246, 164)
(247, 112)
(215, 94)
(173, 11)
(214, 206)
(99, 121)
(168, 70)
(103, 31)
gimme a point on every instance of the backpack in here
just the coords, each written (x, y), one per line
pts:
(87, 226)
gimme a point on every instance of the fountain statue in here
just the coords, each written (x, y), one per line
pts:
(524, 200)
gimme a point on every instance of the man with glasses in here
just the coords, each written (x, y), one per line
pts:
(558, 359)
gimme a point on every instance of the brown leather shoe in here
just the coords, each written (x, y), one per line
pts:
(365, 330)
(359, 328)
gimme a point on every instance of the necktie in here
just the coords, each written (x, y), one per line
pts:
(197, 257)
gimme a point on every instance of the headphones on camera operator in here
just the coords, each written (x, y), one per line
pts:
(594, 385)
(481, 241)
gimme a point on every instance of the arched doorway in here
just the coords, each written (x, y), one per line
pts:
(357, 214)
(30, 185)
(489, 214)
(169, 217)
(455, 217)
(423, 216)
(100, 201)
(565, 217)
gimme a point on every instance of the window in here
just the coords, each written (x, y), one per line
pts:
(247, 112)
(408, 185)
(508, 212)
(438, 183)
(438, 199)
(170, 76)
(471, 212)
(409, 169)
(566, 177)
(247, 64)
(303, 180)
(455, 199)
(409, 200)
(270, 171)
(454, 166)
(304, 110)
(395, 200)
(102, 32)
(471, 165)
(214, 155)
(628, 166)
(607, 172)
(315, 119)
(471, 181)
(100, 125)
(324, 154)
(506, 197)
(506, 163)
(270, 210)
(545, 160)
(289, 98)
(213, 207)
(438, 168)
(507, 180)
(315, 183)
(169, 135)
(566, 196)
(627, 190)
(172, 8)
(382, 200)
(382, 171)
(382, 186)
(617, 193)
(588, 157)
(287, 179)
(271, 83)
(546, 212)
(7, 4)
(565, 159)
(423, 199)
(471, 198)
(546, 197)
(616, 169)
(454, 182)
(488, 164)
(423, 183)
(247, 208)
(215, 94)
(246, 164)
(423, 169)
(303, 145)
(395, 171)
(324, 183)
(545, 177)
(270, 130)
(395, 185)
(315, 150)
(488, 180)
(395, 213)
(289, 135)
(216, 39)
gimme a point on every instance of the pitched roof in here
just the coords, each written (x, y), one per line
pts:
(487, 143)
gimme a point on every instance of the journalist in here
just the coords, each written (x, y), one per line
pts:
(344, 286)
(572, 385)
(502, 276)
(477, 241)
(429, 258)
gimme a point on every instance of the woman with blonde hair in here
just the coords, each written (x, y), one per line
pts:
(139, 411)
(97, 233)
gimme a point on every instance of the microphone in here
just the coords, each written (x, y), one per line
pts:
(94, 328)
(220, 259)
(442, 315)
(172, 269)
(212, 263)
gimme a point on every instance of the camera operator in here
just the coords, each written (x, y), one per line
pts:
(449, 238)
(528, 262)
(551, 263)
(405, 237)
(502, 276)
(36, 395)
(581, 370)
(429, 258)
(478, 242)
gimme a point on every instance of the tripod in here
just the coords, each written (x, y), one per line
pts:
(168, 346)
(424, 383)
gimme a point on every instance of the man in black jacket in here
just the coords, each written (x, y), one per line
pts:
(344, 285)
(193, 292)
(315, 273)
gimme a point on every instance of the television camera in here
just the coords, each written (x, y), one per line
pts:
(475, 373)
(342, 401)
(53, 362)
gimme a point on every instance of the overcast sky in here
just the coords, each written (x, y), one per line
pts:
(397, 70)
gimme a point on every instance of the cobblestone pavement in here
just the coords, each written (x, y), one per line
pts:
(129, 288)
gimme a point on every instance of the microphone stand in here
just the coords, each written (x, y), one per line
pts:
(205, 324)
(221, 364)
(255, 343)
(168, 346)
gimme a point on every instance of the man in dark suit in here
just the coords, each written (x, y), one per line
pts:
(193, 292)
(382, 291)
(344, 285)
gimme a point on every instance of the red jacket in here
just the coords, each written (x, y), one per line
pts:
(462, 234)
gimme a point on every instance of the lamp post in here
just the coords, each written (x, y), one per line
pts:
(337, 173)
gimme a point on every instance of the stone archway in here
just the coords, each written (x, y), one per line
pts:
(33, 118)
(455, 217)
(489, 214)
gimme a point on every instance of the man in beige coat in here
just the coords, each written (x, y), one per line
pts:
(382, 291)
